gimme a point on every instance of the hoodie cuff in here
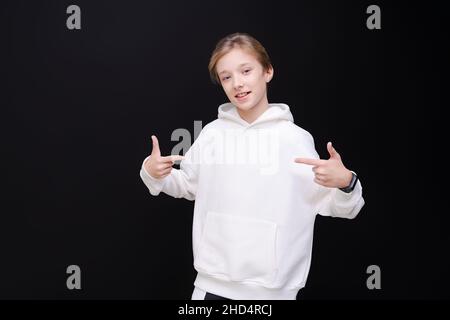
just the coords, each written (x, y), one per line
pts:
(154, 185)
(347, 199)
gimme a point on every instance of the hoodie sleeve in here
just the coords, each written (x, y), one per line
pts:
(180, 183)
(336, 203)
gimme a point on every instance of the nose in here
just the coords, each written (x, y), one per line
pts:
(237, 83)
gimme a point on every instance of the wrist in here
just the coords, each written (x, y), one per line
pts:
(351, 184)
(346, 180)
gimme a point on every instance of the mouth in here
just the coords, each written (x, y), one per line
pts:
(242, 95)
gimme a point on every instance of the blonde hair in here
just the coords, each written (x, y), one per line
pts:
(243, 41)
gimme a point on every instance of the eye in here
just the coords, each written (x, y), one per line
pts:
(225, 78)
(247, 70)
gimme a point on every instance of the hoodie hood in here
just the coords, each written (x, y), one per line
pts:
(275, 112)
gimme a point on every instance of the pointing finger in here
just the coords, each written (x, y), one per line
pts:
(312, 162)
(172, 158)
(177, 157)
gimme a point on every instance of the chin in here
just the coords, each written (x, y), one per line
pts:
(244, 107)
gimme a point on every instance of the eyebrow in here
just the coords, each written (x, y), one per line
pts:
(242, 64)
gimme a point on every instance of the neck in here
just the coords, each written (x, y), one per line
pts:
(253, 113)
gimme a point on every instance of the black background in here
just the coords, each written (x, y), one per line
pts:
(79, 107)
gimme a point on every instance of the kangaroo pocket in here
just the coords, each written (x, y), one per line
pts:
(237, 248)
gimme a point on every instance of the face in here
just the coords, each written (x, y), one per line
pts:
(244, 81)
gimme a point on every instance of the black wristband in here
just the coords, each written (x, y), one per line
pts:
(352, 184)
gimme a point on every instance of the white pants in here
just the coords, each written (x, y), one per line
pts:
(198, 294)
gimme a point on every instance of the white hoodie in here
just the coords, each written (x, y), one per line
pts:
(254, 206)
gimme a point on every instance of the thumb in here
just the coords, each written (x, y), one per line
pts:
(332, 151)
(155, 148)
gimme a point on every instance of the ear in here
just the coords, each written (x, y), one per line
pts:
(269, 74)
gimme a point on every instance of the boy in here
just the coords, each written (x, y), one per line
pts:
(257, 182)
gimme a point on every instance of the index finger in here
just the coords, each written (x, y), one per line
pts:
(172, 158)
(312, 162)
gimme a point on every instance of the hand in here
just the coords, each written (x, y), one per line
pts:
(329, 173)
(159, 167)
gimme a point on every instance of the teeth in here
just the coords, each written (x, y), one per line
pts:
(242, 94)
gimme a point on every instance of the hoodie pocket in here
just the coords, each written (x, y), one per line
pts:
(237, 248)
